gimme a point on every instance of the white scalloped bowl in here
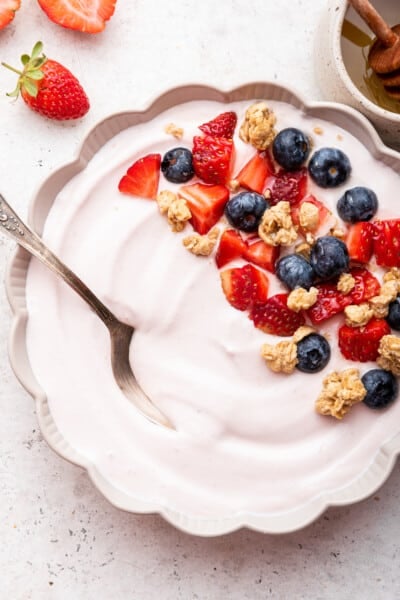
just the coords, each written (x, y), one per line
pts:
(191, 521)
(340, 65)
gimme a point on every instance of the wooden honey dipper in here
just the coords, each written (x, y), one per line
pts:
(384, 55)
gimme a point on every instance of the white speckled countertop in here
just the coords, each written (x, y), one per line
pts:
(60, 538)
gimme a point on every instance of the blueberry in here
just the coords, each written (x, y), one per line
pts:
(177, 165)
(329, 257)
(291, 148)
(244, 211)
(357, 204)
(393, 317)
(313, 353)
(381, 386)
(295, 271)
(329, 167)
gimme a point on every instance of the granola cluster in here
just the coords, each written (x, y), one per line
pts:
(175, 208)
(276, 227)
(174, 130)
(258, 127)
(301, 299)
(339, 393)
(308, 216)
(389, 354)
(201, 245)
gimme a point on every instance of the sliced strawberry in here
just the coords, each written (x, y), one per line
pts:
(359, 241)
(89, 16)
(386, 242)
(244, 286)
(288, 185)
(255, 172)
(222, 126)
(142, 177)
(323, 212)
(331, 301)
(231, 246)
(206, 203)
(362, 343)
(212, 158)
(366, 286)
(262, 254)
(8, 8)
(274, 316)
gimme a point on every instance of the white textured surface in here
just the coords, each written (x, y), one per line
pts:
(60, 538)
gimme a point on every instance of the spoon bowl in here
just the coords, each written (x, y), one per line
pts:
(120, 333)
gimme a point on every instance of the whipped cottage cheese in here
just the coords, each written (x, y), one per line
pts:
(246, 439)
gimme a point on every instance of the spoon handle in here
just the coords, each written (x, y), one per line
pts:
(375, 22)
(12, 225)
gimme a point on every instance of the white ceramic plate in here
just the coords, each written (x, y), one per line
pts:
(365, 483)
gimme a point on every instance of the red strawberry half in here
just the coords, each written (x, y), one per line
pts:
(212, 158)
(274, 316)
(231, 246)
(386, 243)
(366, 286)
(359, 241)
(262, 254)
(206, 203)
(362, 343)
(88, 16)
(289, 186)
(255, 172)
(244, 286)
(222, 126)
(142, 177)
(331, 301)
(8, 8)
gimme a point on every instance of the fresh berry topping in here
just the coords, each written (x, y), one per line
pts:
(329, 257)
(274, 316)
(290, 186)
(49, 88)
(212, 158)
(8, 9)
(313, 353)
(323, 213)
(366, 286)
(382, 388)
(329, 167)
(222, 126)
(262, 254)
(142, 177)
(295, 271)
(393, 317)
(244, 286)
(177, 165)
(359, 241)
(255, 172)
(206, 203)
(361, 344)
(386, 243)
(357, 204)
(331, 301)
(231, 246)
(88, 16)
(291, 148)
(244, 211)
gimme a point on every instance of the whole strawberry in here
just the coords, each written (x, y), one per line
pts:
(48, 88)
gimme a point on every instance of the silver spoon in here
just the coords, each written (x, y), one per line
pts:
(120, 333)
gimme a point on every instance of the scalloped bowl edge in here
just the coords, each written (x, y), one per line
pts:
(360, 488)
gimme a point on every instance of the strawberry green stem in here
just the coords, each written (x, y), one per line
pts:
(11, 68)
